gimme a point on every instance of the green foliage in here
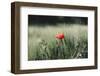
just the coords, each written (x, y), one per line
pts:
(43, 45)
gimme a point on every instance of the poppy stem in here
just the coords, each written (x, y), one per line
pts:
(61, 41)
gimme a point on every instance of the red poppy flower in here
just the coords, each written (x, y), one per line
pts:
(60, 36)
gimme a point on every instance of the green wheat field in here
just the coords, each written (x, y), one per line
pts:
(43, 44)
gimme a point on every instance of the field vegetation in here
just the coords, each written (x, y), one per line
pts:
(43, 43)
